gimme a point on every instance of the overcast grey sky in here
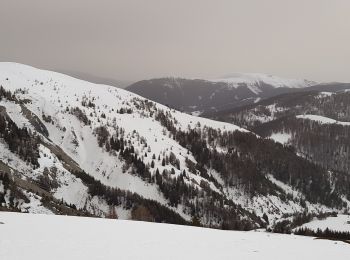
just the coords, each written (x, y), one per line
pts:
(132, 40)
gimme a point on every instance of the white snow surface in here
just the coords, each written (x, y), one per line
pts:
(323, 119)
(27, 236)
(282, 138)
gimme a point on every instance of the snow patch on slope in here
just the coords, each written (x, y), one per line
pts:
(282, 138)
(323, 119)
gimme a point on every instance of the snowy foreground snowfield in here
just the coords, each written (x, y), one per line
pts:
(35, 236)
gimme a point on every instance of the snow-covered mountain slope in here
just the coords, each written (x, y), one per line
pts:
(254, 80)
(331, 103)
(199, 96)
(315, 123)
(73, 147)
(21, 237)
(71, 110)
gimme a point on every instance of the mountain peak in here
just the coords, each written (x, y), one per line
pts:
(254, 80)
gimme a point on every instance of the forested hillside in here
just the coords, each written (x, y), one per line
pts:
(316, 124)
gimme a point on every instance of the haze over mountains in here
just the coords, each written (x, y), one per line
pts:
(97, 79)
(73, 147)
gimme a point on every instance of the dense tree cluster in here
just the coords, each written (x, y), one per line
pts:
(14, 195)
(19, 140)
(325, 144)
(102, 135)
(327, 233)
(86, 102)
(76, 111)
(4, 94)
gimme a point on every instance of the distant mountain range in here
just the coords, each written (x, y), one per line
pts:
(200, 96)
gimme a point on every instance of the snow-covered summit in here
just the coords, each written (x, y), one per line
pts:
(254, 80)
